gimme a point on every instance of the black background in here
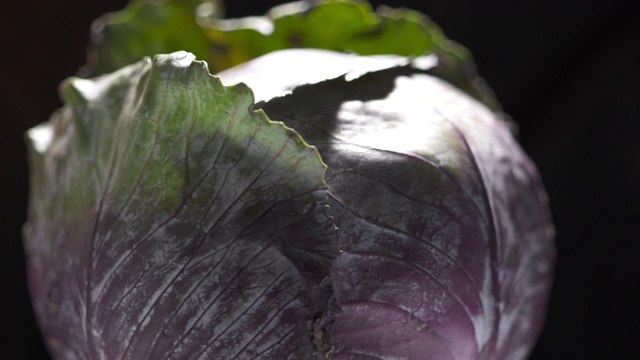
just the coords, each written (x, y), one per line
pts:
(567, 73)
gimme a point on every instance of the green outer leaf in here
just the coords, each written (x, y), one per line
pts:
(143, 184)
(347, 26)
(146, 28)
(340, 25)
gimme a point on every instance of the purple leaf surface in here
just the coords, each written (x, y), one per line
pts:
(445, 235)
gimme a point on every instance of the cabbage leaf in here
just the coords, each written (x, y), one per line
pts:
(148, 27)
(445, 234)
(168, 220)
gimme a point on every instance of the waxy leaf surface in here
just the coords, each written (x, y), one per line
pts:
(445, 236)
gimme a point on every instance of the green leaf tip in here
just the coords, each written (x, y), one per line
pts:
(146, 28)
(346, 26)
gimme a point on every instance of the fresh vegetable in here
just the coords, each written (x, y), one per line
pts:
(360, 207)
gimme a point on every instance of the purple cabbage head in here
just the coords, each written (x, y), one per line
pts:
(307, 204)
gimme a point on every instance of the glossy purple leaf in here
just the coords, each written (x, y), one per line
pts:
(445, 234)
